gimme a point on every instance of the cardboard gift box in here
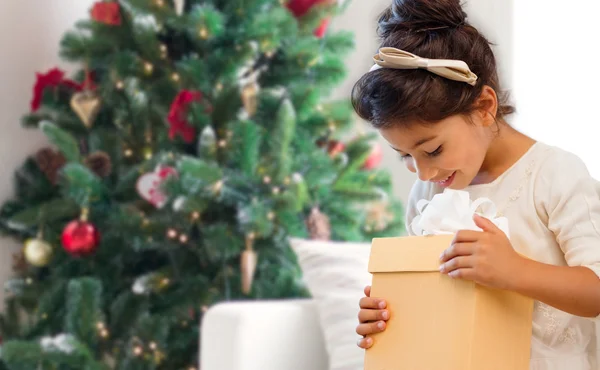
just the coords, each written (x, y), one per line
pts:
(440, 323)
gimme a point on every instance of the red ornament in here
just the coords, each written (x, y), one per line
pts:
(107, 13)
(80, 238)
(322, 29)
(178, 115)
(374, 159)
(301, 7)
(335, 147)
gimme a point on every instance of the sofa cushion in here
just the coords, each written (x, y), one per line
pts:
(336, 274)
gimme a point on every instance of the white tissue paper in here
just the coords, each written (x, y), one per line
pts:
(453, 210)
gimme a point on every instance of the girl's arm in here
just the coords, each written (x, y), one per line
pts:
(575, 290)
(572, 209)
(568, 200)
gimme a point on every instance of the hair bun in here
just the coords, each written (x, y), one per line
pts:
(408, 15)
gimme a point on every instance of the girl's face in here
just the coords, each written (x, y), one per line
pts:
(450, 152)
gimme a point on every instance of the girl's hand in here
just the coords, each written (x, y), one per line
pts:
(372, 317)
(485, 257)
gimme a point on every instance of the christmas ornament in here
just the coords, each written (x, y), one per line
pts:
(322, 29)
(149, 185)
(19, 263)
(178, 115)
(100, 163)
(300, 7)
(147, 152)
(53, 79)
(179, 6)
(335, 147)
(318, 225)
(50, 162)
(80, 238)
(374, 159)
(37, 252)
(248, 261)
(207, 146)
(250, 98)
(108, 13)
(86, 105)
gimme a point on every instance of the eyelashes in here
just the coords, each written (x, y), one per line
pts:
(436, 152)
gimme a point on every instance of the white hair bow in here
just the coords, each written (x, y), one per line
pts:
(393, 58)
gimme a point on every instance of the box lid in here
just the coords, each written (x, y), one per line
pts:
(408, 254)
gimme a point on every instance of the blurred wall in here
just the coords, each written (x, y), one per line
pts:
(32, 33)
(556, 81)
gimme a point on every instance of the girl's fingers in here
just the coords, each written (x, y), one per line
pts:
(467, 236)
(366, 316)
(464, 274)
(370, 328)
(457, 249)
(368, 291)
(457, 263)
(371, 303)
(365, 343)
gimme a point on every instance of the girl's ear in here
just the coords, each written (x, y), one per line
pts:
(487, 106)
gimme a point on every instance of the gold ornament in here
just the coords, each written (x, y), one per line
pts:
(250, 98)
(147, 152)
(86, 105)
(248, 265)
(203, 33)
(217, 187)
(318, 225)
(148, 67)
(175, 77)
(37, 252)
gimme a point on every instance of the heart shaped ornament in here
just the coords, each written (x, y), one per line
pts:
(149, 185)
(86, 105)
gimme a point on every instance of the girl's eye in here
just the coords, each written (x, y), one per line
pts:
(436, 152)
(404, 156)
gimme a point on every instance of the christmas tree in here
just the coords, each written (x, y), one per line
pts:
(194, 140)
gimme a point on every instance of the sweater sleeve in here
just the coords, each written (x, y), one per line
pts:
(420, 190)
(570, 200)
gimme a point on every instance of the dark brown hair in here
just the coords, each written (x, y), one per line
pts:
(435, 29)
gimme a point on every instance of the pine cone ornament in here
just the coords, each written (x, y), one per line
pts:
(19, 263)
(100, 163)
(318, 225)
(50, 162)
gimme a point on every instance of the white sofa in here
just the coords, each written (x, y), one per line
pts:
(263, 335)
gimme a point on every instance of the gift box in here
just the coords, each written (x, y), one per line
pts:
(440, 323)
